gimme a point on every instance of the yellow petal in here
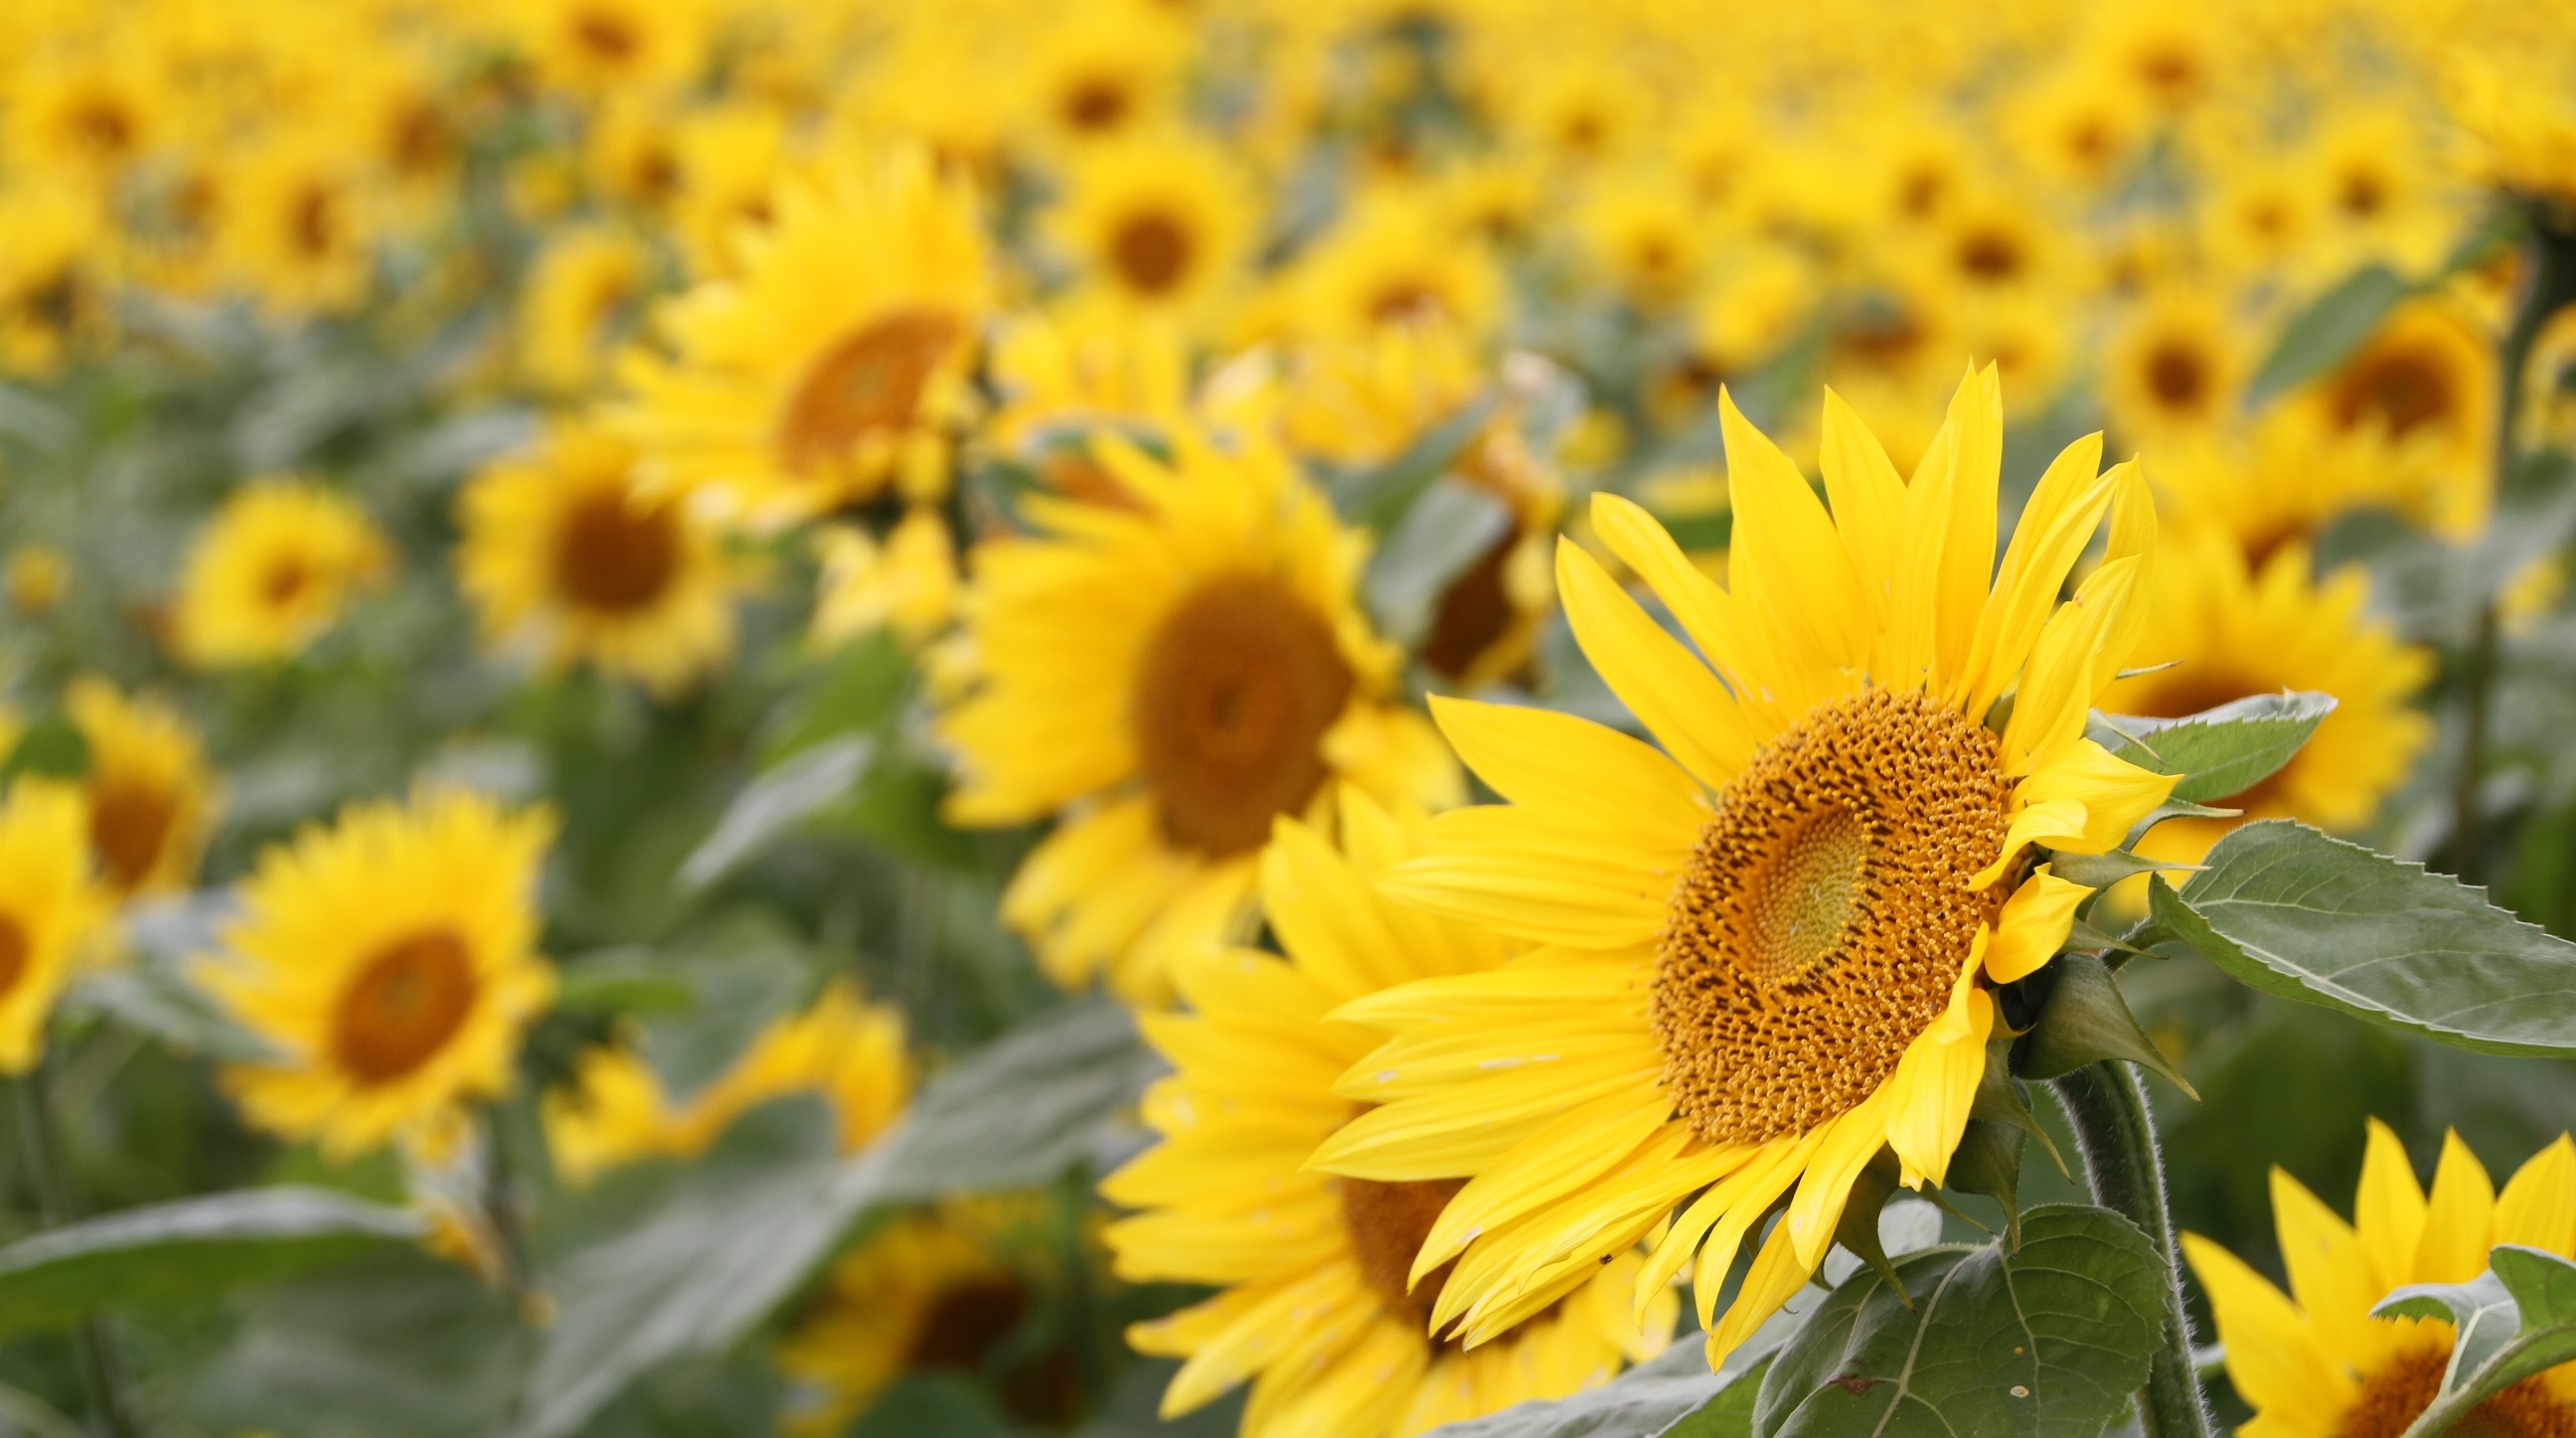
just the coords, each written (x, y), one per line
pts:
(2116, 794)
(2459, 1218)
(1935, 1083)
(2273, 1357)
(2057, 686)
(1586, 773)
(2054, 528)
(2538, 1206)
(1868, 498)
(2033, 925)
(2053, 822)
(1671, 692)
(2328, 1274)
(1777, 1274)
(1851, 1140)
(1788, 568)
(1706, 613)
(2388, 1209)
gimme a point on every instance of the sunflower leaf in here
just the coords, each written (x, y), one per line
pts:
(2295, 913)
(1446, 531)
(2047, 1342)
(2327, 331)
(2221, 751)
(188, 1250)
(2514, 1320)
(777, 801)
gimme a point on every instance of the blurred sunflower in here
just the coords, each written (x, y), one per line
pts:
(906, 582)
(53, 915)
(36, 578)
(1074, 367)
(2417, 402)
(809, 381)
(2238, 630)
(1640, 233)
(1100, 71)
(1160, 221)
(2313, 1363)
(298, 225)
(84, 116)
(1392, 261)
(53, 291)
(566, 553)
(1165, 678)
(578, 289)
(389, 961)
(730, 159)
(2173, 370)
(1766, 946)
(273, 570)
(151, 795)
(596, 47)
(1228, 1199)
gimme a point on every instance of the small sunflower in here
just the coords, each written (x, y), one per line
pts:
(36, 578)
(272, 571)
(565, 552)
(88, 116)
(810, 381)
(1766, 947)
(52, 913)
(54, 291)
(1228, 1199)
(2174, 369)
(390, 963)
(299, 223)
(577, 291)
(1642, 232)
(598, 47)
(150, 793)
(2239, 630)
(1159, 221)
(2313, 1363)
(2418, 400)
(1394, 260)
(1165, 678)
(1101, 72)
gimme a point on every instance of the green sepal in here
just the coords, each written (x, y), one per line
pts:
(1857, 1229)
(2101, 871)
(2085, 1020)
(2175, 809)
(2000, 1099)
(1988, 1162)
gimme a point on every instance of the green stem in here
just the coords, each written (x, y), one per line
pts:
(54, 1204)
(2115, 1132)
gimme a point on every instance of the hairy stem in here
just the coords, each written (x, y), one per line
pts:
(45, 1161)
(2116, 1134)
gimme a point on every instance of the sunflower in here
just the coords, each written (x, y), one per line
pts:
(86, 117)
(809, 381)
(53, 915)
(1228, 1201)
(389, 961)
(1641, 232)
(53, 285)
(2238, 630)
(1766, 948)
(1159, 221)
(1101, 72)
(150, 793)
(2174, 368)
(938, 1291)
(1081, 365)
(2074, 128)
(1166, 677)
(298, 226)
(2313, 1363)
(730, 159)
(1394, 260)
(36, 578)
(271, 571)
(2417, 403)
(2383, 198)
(570, 307)
(598, 47)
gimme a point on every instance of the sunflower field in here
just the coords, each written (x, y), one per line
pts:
(1287, 718)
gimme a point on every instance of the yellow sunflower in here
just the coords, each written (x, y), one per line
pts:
(36, 578)
(1318, 1309)
(570, 306)
(2239, 630)
(809, 381)
(2417, 405)
(273, 570)
(906, 582)
(87, 116)
(730, 159)
(1080, 365)
(596, 47)
(1642, 232)
(1765, 947)
(390, 963)
(1165, 678)
(1100, 72)
(150, 793)
(1394, 260)
(298, 225)
(2313, 1363)
(2173, 372)
(53, 288)
(1160, 221)
(53, 915)
(565, 553)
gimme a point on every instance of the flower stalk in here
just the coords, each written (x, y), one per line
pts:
(2115, 1132)
(54, 1205)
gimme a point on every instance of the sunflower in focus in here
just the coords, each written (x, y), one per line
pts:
(298, 225)
(940, 1291)
(807, 381)
(151, 796)
(389, 961)
(273, 570)
(1765, 948)
(2313, 1363)
(53, 914)
(1165, 678)
(1227, 1198)
(1160, 221)
(2239, 629)
(2174, 369)
(580, 284)
(566, 553)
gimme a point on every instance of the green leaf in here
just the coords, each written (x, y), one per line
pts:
(773, 804)
(1705, 530)
(170, 1253)
(1379, 498)
(2514, 1320)
(1673, 1395)
(2328, 331)
(2049, 1341)
(2101, 871)
(2220, 752)
(1448, 529)
(2293, 912)
(52, 747)
(857, 689)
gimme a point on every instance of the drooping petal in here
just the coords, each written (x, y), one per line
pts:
(2033, 925)
(1935, 1083)
(2115, 793)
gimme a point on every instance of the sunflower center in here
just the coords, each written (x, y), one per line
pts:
(1151, 252)
(14, 953)
(313, 221)
(614, 555)
(405, 1004)
(606, 36)
(2401, 387)
(2394, 1396)
(105, 127)
(965, 1320)
(2362, 194)
(127, 825)
(1824, 914)
(285, 581)
(1094, 105)
(2178, 376)
(1387, 1223)
(1404, 301)
(868, 384)
(1991, 256)
(1231, 704)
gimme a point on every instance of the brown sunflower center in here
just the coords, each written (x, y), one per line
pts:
(1231, 704)
(964, 1321)
(1824, 914)
(285, 581)
(1151, 252)
(2362, 194)
(405, 1004)
(2393, 1397)
(1403, 302)
(1095, 104)
(868, 384)
(127, 825)
(2401, 387)
(15, 950)
(104, 126)
(614, 554)
(606, 35)
(1387, 1223)
(2178, 375)
(1991, 256)
(313, 220)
